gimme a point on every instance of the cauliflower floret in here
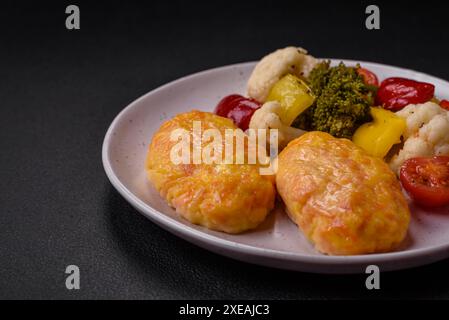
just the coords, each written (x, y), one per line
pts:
(271, 68)
(417, 115)
(427, 133)
(267, 117)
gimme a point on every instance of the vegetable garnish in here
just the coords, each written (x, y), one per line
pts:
(396, 93)
(444, 104)
(293, 95)
(368, 77)
(427, 180)
(342, 101)
(237, 108)
(379, 136)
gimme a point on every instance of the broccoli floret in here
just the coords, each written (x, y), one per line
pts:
(342, 101)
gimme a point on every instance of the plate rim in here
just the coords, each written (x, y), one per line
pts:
(192, 235)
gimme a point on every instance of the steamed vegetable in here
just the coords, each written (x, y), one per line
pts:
(444, 104)
(267, 117)
(426, 133)
(237, 108)
(368, 76)
(396, 93)
(342, 101)
(273, 67)
(293, 95)
(427, 180)
(379, 136)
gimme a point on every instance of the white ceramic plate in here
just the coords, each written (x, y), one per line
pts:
(277, 242)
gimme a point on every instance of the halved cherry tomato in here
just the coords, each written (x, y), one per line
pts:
(444, 104)
(395, 93)
(427, 180)
(237, 108)
(368, 77)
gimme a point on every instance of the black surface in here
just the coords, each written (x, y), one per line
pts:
(60, 89)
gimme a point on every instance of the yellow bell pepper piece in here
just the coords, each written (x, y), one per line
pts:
(379, 136)
(293, 95)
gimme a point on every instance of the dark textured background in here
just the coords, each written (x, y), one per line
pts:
(60, 90)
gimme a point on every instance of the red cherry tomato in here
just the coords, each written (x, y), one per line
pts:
(444, 104)
(427, 180)
(395, 93)
(237, 108)
(368, 77)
